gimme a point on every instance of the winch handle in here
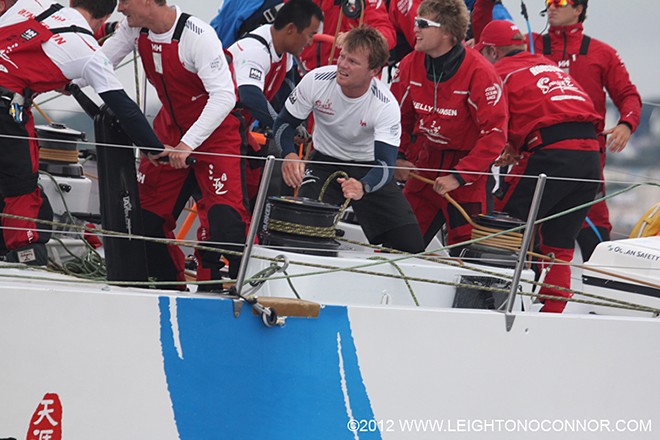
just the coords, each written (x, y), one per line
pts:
(190, 160)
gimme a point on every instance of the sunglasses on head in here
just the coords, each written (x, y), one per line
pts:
(424, 23)
(559, 3)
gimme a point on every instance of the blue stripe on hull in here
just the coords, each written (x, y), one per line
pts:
(239, 379)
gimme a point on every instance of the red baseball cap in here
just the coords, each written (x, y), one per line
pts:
(499, 33)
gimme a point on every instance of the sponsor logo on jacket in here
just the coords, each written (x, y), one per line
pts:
(324, 107)
(493, 94)
(440, 111)
(562, 85)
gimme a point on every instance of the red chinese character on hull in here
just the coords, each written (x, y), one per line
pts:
(46, 422)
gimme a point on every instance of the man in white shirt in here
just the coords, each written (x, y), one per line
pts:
(263, 67)
(263, 58)
(44, 46)
(357, 122)
(184, 61)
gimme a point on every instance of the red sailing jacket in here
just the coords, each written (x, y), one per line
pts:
(482, 14)
(402, 16)
(181, 92)
(470, 111)
(599, 70)
(375, 15)
(540, 95)
(24, 60)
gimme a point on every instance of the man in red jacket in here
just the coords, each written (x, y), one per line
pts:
(552, 130)
(451, 102)
(597, 68)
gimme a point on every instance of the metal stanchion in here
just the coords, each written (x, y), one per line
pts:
(254, 224)
(527, 239)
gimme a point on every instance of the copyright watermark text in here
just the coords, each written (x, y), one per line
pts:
(499, 425)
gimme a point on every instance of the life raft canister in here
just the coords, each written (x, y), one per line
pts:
(649, 224)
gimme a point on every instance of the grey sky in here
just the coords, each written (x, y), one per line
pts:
(630, 26)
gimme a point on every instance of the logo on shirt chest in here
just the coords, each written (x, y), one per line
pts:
(324, 107)
(565, 65)
(425, 108)
(432, 131)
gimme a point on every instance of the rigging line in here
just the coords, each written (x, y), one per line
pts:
(355, 268)
(427, 255)
(610, 302)
(78, 280)
(651, 104)
(390, 261)
(446, 262)
(207, 153)
(518, 228)
(629, 174)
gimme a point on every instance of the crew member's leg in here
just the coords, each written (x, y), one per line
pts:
(388, 219)
(223, 214)
(19, 172)
(472, 198)
(557, 235)
(427, 207)
(597, 226)
(163, 194)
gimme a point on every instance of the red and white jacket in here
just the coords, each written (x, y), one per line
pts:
(600, 70)
(541, 95)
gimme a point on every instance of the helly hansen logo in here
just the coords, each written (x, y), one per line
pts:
(156, 47)
(255, 74)
(564, 64)
(29, 34)
(293, 97)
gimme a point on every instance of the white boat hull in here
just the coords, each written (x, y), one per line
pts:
(140, 365)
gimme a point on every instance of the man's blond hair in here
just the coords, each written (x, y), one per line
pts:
(451, 14)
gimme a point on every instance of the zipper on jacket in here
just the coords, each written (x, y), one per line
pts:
(169, 102)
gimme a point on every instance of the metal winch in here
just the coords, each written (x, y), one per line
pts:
(58, 149)
(303, 225)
